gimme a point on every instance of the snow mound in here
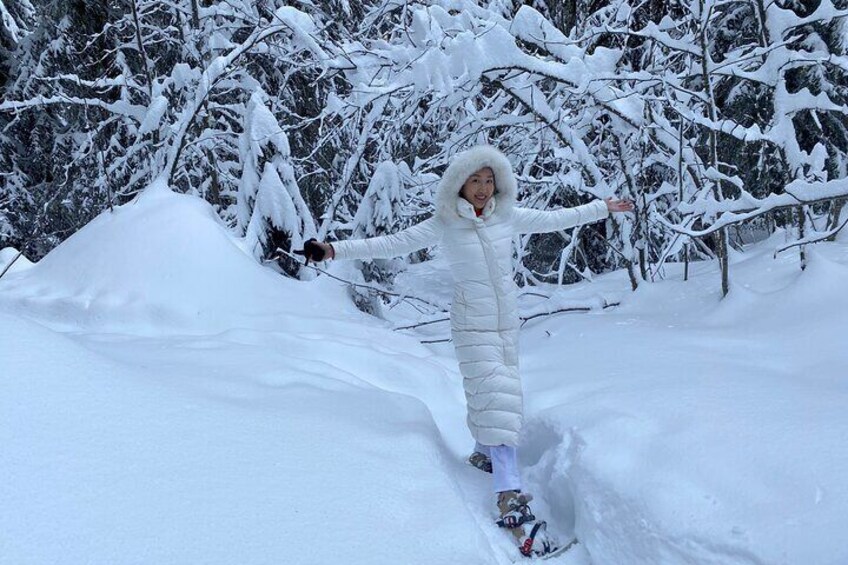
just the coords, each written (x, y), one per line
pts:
(195, 407)
(821, 283)
(686, 428)
(164, 261)
(110, 462)
(10, 254)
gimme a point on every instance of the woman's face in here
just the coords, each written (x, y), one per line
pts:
(479, 187)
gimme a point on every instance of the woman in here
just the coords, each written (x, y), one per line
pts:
(475, 222)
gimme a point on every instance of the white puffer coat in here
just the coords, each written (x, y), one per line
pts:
(484, 315)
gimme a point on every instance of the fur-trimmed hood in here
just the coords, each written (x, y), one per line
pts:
(466, 163)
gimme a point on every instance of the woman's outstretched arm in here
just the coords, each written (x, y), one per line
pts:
(406, 241)
(529, 220)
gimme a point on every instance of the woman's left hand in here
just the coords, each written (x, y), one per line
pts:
(614, 205)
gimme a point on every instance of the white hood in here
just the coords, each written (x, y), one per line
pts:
(466, 163)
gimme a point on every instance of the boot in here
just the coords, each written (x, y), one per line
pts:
(515, 513)
(480, 461)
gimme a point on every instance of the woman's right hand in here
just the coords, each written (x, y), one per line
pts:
(316, 250)
(614, 205)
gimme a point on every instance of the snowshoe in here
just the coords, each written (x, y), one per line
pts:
(517, 517)
(480, 461)
(539, 543)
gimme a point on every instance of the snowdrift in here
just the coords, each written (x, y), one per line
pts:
(109, 463)
(196, 408)
(682, 428)
(162, 263)
(187, 405)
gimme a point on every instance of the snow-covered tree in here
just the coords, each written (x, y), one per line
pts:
(765, 84)
(271, 212)
(165, 99)
(466, 74)
(42, 167)
(16, 19)
(719, 118)
(380, 212)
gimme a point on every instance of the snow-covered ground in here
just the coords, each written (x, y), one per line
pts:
(164, 399)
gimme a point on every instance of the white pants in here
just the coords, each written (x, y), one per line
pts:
(504, 466)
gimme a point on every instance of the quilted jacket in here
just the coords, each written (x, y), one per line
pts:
(484, 315)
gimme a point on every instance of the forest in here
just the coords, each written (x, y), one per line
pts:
(723, 120)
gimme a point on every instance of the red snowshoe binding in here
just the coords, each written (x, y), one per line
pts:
(515, 513)
(538, 543)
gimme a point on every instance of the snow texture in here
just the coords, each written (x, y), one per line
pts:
(164, 399)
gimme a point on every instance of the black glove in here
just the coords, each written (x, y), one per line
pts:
(311, 250)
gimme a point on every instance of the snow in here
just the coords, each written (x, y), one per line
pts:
(376, 213)
(723, 441)
(154, 115)
(165, 399)
(164, 261)
(18, 261)
(196, 407)
(9, 24)
(263, 128)
(115, 462)
(274, 203)
(796, 192)
(301, 26)
(529, 25)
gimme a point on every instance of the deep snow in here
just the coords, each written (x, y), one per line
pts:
(164, 399)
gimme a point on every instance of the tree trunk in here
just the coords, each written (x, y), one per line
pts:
(721, 239)
(835, 213)
(802, 229)
(722, 257)
(214, 196)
